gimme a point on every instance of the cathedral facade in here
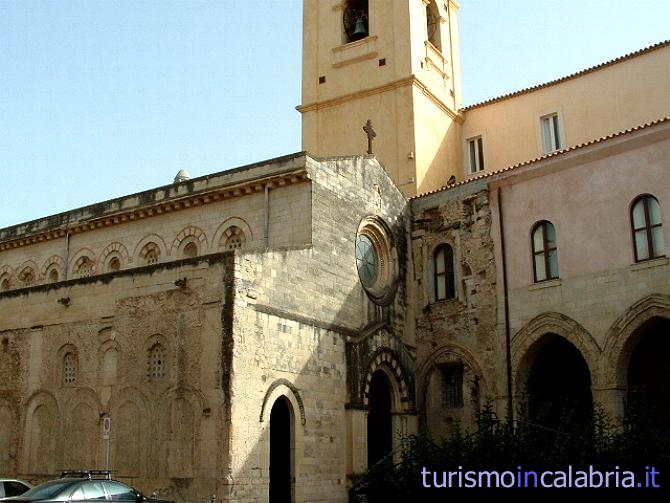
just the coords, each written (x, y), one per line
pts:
(271, 331)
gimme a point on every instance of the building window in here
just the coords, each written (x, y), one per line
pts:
(150, 253)
(545, 251)
(70, 369)
(156, 362)
(84, 267)
(27, 277)
(191, 250)
(433, 21)
(647, 228)
(355, 20)
(452, 386)
(443, 267)
(53, 275)
(551, 135)
(114, 264)
(233, 238)
(476, 154)
(4, 285)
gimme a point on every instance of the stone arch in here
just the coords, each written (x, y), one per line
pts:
(41, 424)
(79, 258)
(149, 238)
(286, 388)
(114, 250)
(81, 446)
(55, 262)
(473, 379)
(524, 343)
(180, 412)
(225, 225)
(6, 278)
(190, 234)
(108, 362)
(8, 437)
(620, 339)
(27, 273)
(132, 448)
(385, 359)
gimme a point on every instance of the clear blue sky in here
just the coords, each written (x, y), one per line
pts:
(101, 99)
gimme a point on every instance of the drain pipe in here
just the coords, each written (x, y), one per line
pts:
(67, 254)
(508, 338)
(266, 229)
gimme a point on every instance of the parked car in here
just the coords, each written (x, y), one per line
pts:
(12, 487)
(83, 486)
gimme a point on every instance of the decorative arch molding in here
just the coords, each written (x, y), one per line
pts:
(459, 353)
(279, 388)
(149, 238)
(189, 234)
(7, 273)
(524, 342)
(386, 360)
(225, 225)
(53, 261)
(84, 395)
(44, 446)
(77, 259)
(117, 249)
(187, 392)
(128, 394)
(620, 339)
(28, 265)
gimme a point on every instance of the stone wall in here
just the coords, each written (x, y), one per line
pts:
(460, 331)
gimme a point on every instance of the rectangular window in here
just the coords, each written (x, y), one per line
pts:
(476, 154)
(550, 133)
(452, 384)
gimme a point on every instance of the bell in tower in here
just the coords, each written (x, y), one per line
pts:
(355, 20)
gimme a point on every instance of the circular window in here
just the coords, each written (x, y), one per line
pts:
(367, 260)
(376, 260)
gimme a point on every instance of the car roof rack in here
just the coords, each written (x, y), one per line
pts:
(87, 474)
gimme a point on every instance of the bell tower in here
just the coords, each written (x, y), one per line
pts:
(394, 63)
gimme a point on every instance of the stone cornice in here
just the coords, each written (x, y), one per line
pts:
(412, 80)
(150, 209)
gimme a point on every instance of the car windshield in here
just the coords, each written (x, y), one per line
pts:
(49, 490)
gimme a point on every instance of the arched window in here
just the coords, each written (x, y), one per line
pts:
(433, 23)
(52, 275)
(4, 284)
(84, 267)
(150, 254)
(647, 228)
(443, 267)
(27, 277)
(157, 367)
(545, 251)
(191, 250)
(355, 20)
(114, 264)
(233, 238)
(70, 369)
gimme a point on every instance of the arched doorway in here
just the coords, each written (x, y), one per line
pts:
(558, 384)
(380, 424)
(281, 455)
(649, 370)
